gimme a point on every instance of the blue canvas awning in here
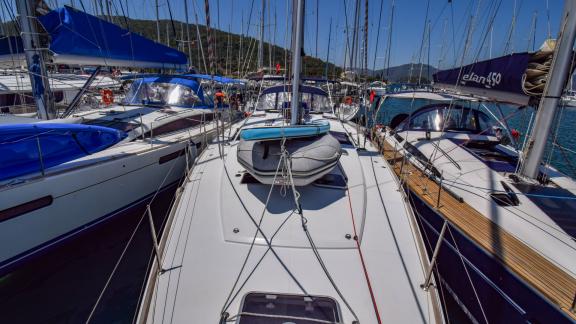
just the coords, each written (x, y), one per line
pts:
(80, 38)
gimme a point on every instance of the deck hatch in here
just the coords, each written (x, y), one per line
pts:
(279, 308)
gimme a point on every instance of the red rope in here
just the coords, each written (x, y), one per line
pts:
(362, 260)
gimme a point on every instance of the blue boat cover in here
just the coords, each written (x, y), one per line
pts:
(21, 145)
(314, 128)
(80, 38)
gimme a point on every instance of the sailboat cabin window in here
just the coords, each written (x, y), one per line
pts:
(448, 118)
(274, 308)
(161, 94)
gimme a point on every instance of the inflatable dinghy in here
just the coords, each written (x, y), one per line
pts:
(310, 158)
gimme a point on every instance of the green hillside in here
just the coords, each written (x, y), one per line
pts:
(229, 48)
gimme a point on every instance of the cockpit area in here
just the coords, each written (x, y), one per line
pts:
(280, 97)
(448, 118)
(166, 91)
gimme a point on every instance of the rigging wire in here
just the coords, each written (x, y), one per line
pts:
(121, 257)
(377, 35)
(304, 221)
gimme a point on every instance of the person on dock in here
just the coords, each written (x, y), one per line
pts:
(219, 96)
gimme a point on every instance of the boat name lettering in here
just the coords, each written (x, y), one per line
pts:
(491, 80)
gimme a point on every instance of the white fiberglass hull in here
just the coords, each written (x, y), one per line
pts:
(46, 210)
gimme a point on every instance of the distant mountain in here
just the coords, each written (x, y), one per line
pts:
(233, 52)
(407, 73)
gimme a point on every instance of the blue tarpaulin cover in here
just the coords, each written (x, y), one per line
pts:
(21, 144)
(80, 38)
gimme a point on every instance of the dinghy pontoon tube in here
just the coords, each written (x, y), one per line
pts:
(310, 158)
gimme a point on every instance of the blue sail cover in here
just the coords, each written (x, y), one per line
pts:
(80, 38)
(498, 79)
(21, 145)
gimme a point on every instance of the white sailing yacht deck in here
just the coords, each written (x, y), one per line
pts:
(215, 223)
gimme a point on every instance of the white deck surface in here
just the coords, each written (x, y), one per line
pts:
(204, 254)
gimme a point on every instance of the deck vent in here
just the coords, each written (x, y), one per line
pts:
(277, 308)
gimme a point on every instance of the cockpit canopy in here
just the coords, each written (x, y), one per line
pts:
(449, 118)
(280, 97)
(166, 91)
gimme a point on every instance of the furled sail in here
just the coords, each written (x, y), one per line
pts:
(83, 39)
(515, 78)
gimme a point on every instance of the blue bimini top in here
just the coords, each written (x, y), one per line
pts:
(30, 148)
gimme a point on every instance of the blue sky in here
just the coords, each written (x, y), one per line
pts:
(447, 35)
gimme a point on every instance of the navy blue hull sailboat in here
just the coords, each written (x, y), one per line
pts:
(499, 224)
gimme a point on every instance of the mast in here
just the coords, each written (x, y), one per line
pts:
(297, 38)
(552, 92)
(157, 23)
(199, 39)
(209, 36)
(261, 38)
(188, 33)
(167, 36)
(36, 68)
(269, 38)
(389, 45)
(317, 15)
(108, 12)
(328, 49)
(354, 36)
(365, 61)
(241, 48)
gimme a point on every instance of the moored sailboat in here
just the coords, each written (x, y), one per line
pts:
(499, 223)
(290, 219)
(56, 185)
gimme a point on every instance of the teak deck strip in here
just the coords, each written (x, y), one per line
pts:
(554, 283)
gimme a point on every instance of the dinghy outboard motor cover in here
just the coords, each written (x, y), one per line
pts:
(310, 158)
